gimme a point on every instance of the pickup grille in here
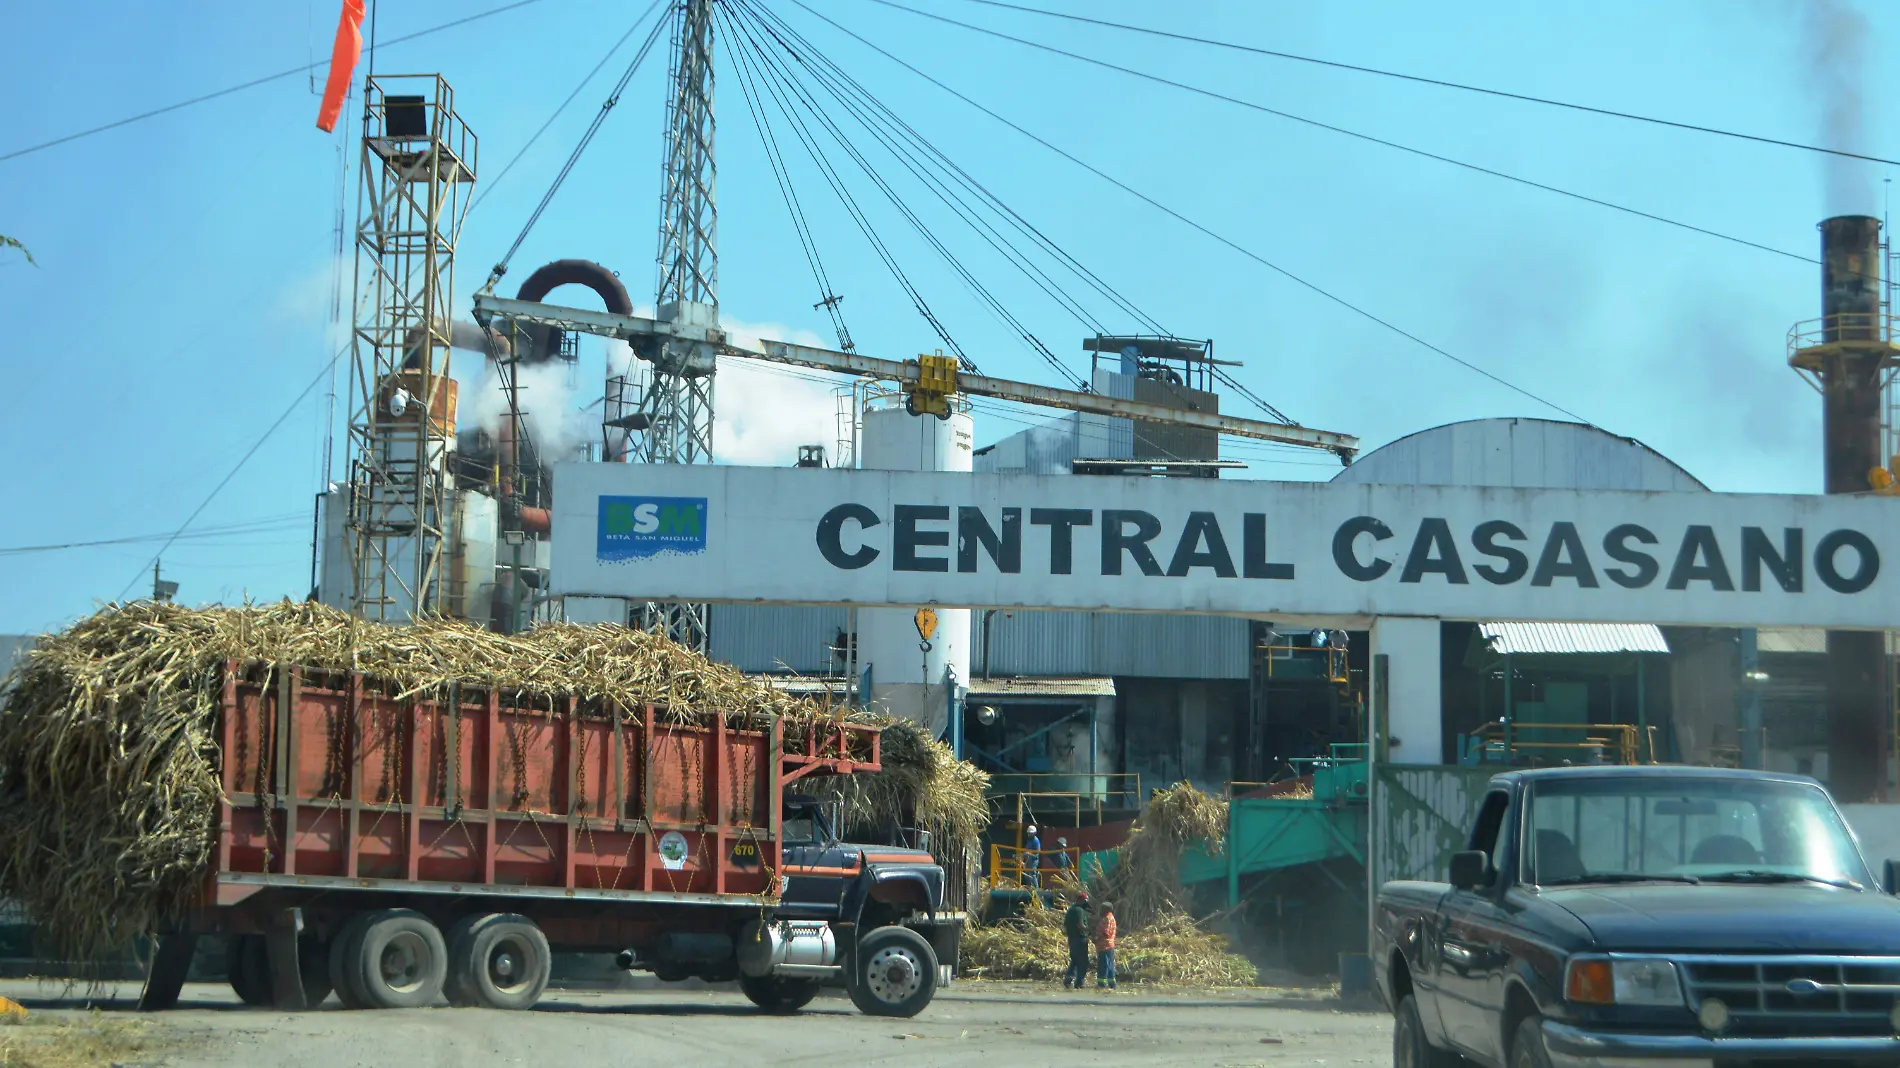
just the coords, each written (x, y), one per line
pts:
(1813, 996)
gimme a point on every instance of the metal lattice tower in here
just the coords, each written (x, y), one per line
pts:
(418, 164)
(678, 402)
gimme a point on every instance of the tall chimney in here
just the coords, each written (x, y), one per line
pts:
(1846, 355)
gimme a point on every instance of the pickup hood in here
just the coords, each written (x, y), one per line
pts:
(1783, 918)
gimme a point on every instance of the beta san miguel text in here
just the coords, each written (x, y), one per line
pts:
(1129, 541)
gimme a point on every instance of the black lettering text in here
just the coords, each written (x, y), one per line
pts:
(1700, 560)
(1347, 560)
(1863, 547)
(1758, 552)
(1006, 550)
(831, 536)
(1433, 552)
(1201, 527)
(907, 539)
(1485, 540)
(1116, 540)
(1061, 523)
(1563, 557)
(1616, 544)
(1253, 550)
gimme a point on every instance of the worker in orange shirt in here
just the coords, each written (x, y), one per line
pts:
(1105, 948)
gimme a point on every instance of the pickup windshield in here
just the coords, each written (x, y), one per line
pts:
(1632, 829)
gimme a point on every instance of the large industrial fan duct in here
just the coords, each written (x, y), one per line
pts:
(544, 340)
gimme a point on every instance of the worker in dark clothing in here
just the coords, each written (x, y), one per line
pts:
(1032, 860)
(1075, 924)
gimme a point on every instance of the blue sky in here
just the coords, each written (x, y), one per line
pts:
(182, 292)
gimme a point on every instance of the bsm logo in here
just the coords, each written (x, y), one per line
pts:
(635, 528)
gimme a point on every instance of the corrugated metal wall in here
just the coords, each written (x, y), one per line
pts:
(776, 638)
(1112, 643)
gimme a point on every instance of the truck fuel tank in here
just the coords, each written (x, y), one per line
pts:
(788, 947)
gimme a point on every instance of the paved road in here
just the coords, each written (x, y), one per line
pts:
(1018, 1025)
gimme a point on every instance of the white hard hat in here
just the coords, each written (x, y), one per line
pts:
(1032, 828)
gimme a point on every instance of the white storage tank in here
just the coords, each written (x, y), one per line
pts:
(906, 679)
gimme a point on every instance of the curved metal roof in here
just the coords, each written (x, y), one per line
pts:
(1521, 453)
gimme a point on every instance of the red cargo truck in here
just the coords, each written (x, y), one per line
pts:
(399, 850)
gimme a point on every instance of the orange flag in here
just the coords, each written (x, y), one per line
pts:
(349, 45)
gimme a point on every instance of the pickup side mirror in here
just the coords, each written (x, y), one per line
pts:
(1891, 876)
(1468, 869)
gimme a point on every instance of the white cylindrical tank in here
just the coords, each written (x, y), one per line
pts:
(909, 680)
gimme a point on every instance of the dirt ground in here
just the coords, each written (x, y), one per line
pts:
(1021, 1025)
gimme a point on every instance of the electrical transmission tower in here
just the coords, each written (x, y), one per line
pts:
(418, 162)
(678, 403)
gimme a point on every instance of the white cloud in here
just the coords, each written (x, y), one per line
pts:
(763, 412)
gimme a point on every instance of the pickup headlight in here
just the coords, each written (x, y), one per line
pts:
(1623, 981)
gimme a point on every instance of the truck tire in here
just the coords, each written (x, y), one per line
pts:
(893, 972)
(1409, 1046)
(499, 961)
(343, 951)
(247, 964)
(1527, 1046)
(777, 995)
(400, 961)
(452, 985)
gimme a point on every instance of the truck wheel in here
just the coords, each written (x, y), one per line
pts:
(343, 953)
(1527, 1048)
(778, 995)
(893, 973)
(400, 961)
(1409, 1046)
(499, 961)
(247, 964)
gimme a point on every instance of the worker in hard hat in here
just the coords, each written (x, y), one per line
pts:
(1075, 925)
(1032, 860)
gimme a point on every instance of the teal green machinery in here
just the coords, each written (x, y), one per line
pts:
(1274, 833)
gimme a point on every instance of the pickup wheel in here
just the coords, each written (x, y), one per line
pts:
(893, 973)
(778, 995)
(1527, 1046)
(1409, 1046)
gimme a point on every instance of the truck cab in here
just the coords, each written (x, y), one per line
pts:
(1646, 916)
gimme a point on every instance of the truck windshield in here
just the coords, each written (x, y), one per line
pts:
(1629, 829)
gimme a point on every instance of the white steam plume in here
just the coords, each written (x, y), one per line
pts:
(1835, 37)
(547, 410)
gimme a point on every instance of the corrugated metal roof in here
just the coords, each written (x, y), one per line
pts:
(1003, 689)
(1560, 638)
(1531, 453)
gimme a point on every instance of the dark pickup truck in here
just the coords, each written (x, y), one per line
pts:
(1646, 916)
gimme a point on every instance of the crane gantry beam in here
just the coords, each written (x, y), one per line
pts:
(651, 335)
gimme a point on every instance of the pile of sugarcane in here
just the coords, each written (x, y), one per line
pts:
(1170, 949)
(1146, 882)
(109, 762)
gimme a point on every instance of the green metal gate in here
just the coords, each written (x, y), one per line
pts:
(1421, 815)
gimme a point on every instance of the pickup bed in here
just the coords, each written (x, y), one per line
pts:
(1645, 916)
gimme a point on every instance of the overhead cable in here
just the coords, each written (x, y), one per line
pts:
(1185, 220)
(253, 83)
(1443, 84)
(231, 474)
(1252, 105)
(489, 184)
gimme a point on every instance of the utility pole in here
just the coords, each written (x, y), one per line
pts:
(678, 403)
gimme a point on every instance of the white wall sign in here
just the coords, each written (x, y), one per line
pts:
(1263, 549)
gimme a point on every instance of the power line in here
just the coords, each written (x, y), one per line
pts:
(1356, 135)
(294, 521)
(231, 474)
(489, 184)
(253, 83)
(1235, 246)
(1461, 86)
